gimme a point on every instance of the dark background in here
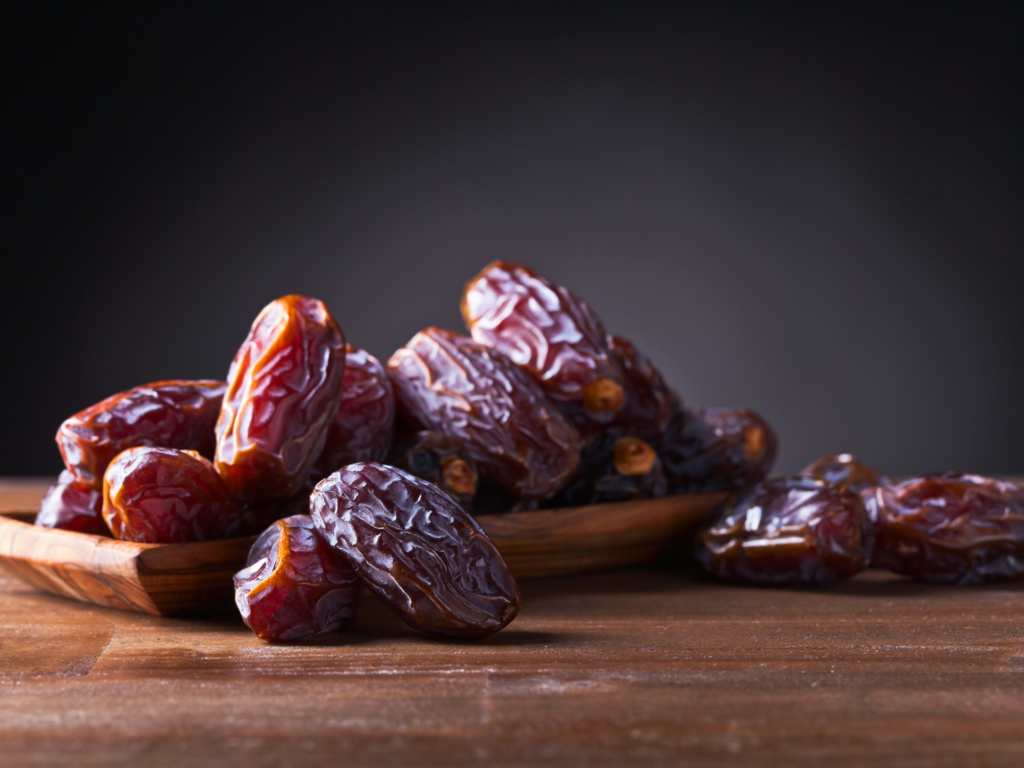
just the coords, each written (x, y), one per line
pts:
(813, 211)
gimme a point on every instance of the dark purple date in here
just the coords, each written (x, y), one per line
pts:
(417, 550)
(447, 383)
(363, 428)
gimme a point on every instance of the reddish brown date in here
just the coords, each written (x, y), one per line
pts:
(548, 331)
(283, 392)
(294, 584)
(166, 496)
(417, 550)
(71, 506)
(789, 531)
(951, 528)
(843, 469)
(441, 460)
(650, 402)
(717, 449)
(363, 428)
(450, 384)
(167, 414)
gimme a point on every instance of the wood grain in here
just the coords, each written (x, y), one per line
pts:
(175, 579)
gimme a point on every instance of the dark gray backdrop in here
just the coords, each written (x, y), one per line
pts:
(813, 212)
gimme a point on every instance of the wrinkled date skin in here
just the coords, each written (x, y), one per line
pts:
(417, 550)
(951, 528)
(548, 331)
(447, 383)
(789, 531)
(166, 414)
(650, 402)
(632, 471)
(294, 584)
(284, 388)
(363, 428)
(166, 496)
(71, 506)
(441, 460)
(717, 449)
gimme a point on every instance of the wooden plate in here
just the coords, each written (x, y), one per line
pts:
(172, 579)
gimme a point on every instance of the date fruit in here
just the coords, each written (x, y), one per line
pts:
(547, 330)
(283, 392)
(951, 528)
(166, 414)
(363, 428)
(450, 384)
(843, 469)
(788, 531)
(167, 496)
(632, 471)
(717, 449)
(417, 550)
(71, 506)
(650, 402)
(294, 584)
(441, 460)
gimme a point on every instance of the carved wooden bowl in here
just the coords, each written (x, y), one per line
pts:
(172, 579)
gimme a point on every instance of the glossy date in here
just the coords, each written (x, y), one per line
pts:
(71, 506)
(284, 388)
(362, 429)
(717, 449)
(167, 496)
(789, 531)
(650, 402)
(631, 471)
(547, 330)
(294, 584)
(951, 528)
(417, 550)
(843, 469)
(447, 383)
(166, 414)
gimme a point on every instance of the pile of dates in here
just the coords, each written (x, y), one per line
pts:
(357, 474)
(839, 516)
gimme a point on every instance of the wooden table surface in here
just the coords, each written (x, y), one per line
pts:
(653, 666)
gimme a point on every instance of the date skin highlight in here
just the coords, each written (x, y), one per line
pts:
(71, 506)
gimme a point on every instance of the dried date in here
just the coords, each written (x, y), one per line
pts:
(650, 403)
(439, 459)
(951, 528)
(166, 414)
(71, 506)
(789, 531)
(843, 469)
(447, 383)
(417, 550)
(717, 449)
(632, 471)
(284, 388)
(294, 584)
(550, 332)
(167, 496)
(362, 430)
